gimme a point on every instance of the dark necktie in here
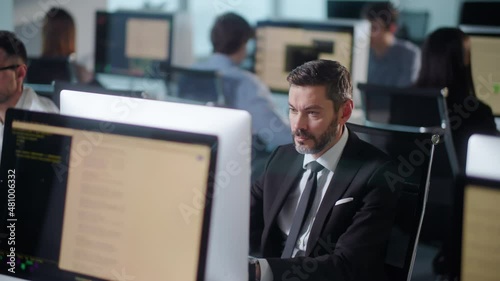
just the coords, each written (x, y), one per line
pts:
(303, 208)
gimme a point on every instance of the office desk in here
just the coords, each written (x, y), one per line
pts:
(154, 87)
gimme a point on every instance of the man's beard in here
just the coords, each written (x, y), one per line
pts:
(319, 144)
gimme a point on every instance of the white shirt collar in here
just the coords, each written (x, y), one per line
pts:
(331, 157)
(26, 98)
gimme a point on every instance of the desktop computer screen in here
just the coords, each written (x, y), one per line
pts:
(485, 60)
(282, 45)
(480, 231)
(477, 223)
(484, 13)
(133, 43)
(347, 9)
(94, 200)
(227, 257)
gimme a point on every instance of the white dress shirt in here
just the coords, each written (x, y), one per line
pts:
(29, 100)
(329, 160)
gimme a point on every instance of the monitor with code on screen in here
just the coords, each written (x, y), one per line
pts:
(95, 200)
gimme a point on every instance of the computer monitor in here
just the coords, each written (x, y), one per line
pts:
(477, 224)
(283, 45)
(94, 200)
(61, 85)
(483, 13)
(133, 43)
(229, 230)
(341, 9)
(485, 43)
(480, 163)
(479, 258)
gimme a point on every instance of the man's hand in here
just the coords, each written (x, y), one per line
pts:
(253, 269)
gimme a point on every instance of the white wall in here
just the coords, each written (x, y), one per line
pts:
(6, 19)
(300, 9)
(163, 5)
(28, 15)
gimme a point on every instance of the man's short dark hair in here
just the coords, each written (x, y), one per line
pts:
(330, 74)
(384, 11)
(229, 33)
(12, 45)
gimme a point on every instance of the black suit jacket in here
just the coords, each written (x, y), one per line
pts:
(347, 241)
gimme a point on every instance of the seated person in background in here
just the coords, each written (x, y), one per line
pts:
(58, 41)
(393, 62)
(446, 63)
(339, 231)
(242, 89)
(12, 72)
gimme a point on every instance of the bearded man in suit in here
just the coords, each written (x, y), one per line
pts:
(322, 209)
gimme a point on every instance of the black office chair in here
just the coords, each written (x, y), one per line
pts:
(410, 110)
(413, 25)
(421, 110)
(47, 70)
(413, 191)
(204, 86)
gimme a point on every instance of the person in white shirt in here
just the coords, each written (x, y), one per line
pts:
(13, 69)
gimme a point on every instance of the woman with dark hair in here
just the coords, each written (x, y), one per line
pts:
(58, 34)
(58, 40)
(446, 63)
(446, 60)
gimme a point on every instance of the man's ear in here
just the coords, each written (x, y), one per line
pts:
(393, 28)
(346, 111)
(21, 73)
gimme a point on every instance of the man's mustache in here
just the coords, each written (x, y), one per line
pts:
(302, 133)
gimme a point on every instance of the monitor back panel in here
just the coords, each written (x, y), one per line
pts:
(229, 232)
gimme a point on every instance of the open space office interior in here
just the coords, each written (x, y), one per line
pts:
(223, 140)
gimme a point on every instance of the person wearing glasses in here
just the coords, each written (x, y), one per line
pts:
(13, 68)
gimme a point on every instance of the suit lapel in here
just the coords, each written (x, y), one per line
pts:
(347, 168)
(286, 186)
